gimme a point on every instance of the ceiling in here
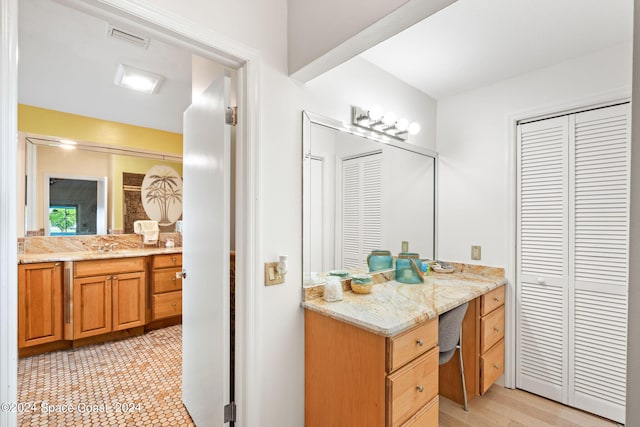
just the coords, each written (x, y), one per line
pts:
(67, 63)
(474, 43)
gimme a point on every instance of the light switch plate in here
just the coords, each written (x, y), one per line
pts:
(271, 275)
(475, 252)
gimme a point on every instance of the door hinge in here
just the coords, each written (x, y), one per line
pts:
(230, 412)
(231, 117)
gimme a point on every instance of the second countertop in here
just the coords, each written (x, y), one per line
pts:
(393, 307)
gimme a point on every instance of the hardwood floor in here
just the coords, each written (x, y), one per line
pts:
(506, 407)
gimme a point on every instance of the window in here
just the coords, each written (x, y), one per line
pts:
(63, 220)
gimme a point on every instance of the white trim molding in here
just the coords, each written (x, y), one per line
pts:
(8, 210)
(208, 43)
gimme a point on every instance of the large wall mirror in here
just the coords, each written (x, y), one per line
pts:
(362, 193)
(85, 188)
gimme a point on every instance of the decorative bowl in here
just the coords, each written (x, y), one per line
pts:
(361, 283)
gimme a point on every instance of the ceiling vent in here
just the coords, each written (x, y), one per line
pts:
(128, 36)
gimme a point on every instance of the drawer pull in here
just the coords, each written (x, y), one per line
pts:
(420, 343)
(496, 329)
(496, 366)
(173, 259)
(174, 279)
(496, 299)
(420, 388)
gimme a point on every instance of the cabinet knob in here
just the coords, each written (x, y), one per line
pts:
(174, 279)
(173, 259)
(496, 299)
(114, 277)
(420, 388)
(173, 305)
(496, 366)
(420, 343)
(541, 281)
(496, 329)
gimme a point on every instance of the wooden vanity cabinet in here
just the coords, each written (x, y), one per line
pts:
(107, 295)
(39, 303)
(357, 378)
(482, 348)
(166, 286)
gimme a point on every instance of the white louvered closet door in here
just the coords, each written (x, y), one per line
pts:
(599, 260)
(361, 208)
(542, 324)
(573, 216)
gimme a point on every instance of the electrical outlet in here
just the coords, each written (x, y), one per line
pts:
(475, 252)
(271, 275)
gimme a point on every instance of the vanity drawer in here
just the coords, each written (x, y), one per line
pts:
(165, 280)
(492, 300)
(168, 304)
(491, 366)
(425, 417)
(407, 346)
(108, 266)
(491, 329)
(166, 261)
(412, 387)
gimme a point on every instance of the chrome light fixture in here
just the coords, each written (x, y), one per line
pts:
(136, 79)
(385, 124)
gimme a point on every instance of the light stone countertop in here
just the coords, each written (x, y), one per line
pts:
(92, 255)
(392, 307)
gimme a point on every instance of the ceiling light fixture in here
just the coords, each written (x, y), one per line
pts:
(385, 124)
(136, 79)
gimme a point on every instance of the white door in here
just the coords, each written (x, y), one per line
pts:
(205, 292)
(573, 255)
(361, 207)
(542, 291)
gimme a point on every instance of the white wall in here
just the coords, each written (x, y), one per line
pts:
(474, 144)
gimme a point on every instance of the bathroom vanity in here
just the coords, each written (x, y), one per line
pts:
(373, 359)
(76, 297)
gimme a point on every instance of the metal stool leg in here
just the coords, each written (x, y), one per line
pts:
(464, 385)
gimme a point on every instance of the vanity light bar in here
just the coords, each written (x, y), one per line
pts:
(384, 124)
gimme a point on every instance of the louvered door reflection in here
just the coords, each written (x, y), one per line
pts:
(573, 216)
(361, 208)
(600, 183)
(542, 258)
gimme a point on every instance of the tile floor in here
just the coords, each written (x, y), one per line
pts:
(132, 382)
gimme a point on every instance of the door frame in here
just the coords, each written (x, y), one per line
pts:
(210, 44)
(566, 106)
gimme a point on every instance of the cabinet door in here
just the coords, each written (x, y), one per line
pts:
(128, 299)
(39, 303)
(91, 306)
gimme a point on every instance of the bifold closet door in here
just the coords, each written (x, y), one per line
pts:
(361, 207)
(599, 183)
(542, 293)
(572, 276)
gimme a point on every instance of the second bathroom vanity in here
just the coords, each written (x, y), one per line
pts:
(373, 359)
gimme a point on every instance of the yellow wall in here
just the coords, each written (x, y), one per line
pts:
(41, 121)
(72, 126)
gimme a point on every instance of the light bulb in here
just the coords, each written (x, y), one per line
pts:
(402, 124)
(389, 118)
(375, 113)
(413, 128)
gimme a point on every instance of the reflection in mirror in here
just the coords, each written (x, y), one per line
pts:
(115, 172)
(362, 194)
(75, 205)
